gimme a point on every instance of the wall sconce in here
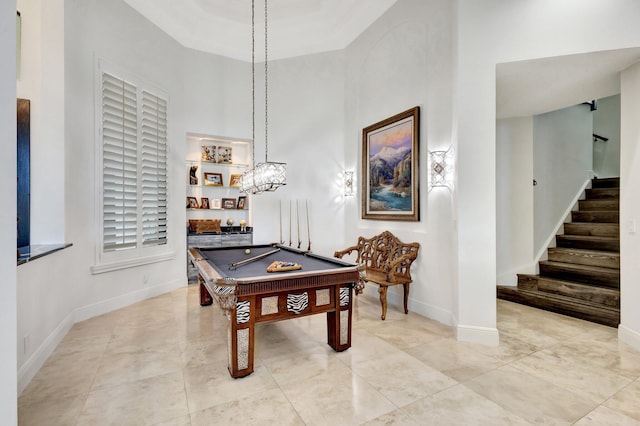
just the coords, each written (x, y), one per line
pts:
(348, 183)
(441, 169)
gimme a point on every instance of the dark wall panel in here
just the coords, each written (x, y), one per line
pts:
(24, 172)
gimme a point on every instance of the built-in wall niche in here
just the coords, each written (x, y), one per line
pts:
(23, 173)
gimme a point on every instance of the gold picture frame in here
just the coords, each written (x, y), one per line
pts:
(234, 180)
(212, 179)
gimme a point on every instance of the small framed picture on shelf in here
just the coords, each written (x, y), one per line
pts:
(216, 203)
(204, 203)
(234, 180)
(212, 179)
(208, 153)
(192, 203)
(193, 175)
(242, 202)
(224, 154)
(228, 203)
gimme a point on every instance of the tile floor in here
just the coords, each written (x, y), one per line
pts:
(163, 362)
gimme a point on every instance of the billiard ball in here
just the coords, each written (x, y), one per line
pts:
(247, 251)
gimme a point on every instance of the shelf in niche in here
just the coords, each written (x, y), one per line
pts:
(216, 210)
(211, 163)
(213, 186)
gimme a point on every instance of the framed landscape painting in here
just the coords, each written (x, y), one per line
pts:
(390, 168)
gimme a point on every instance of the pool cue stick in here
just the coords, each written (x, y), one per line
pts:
(308, 227)
(280, 205)
(290, 236)
(252, 259)
(298, 221)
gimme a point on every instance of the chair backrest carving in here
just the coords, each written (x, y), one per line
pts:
(379, 251)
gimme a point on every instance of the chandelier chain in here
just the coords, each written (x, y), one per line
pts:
(263, 177)
(253, 83)
(266, 93)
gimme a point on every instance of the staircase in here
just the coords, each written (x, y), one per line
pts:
(581, 277)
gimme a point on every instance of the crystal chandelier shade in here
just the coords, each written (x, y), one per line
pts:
(264, 177)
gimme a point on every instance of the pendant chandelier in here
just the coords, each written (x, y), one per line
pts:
(267, 176)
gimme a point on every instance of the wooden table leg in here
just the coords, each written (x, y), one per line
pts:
(205, 297)
(241, 337)
(339, 321)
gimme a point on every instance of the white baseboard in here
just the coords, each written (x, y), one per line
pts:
(395, 298)
(483, 335)
(510, 278)
(629, 336)
(124, 300)
(431, 311)
(39, 356)
(31, 366)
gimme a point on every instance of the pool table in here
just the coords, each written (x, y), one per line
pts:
(249, 295)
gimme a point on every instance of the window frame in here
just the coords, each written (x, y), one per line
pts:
(141, 254)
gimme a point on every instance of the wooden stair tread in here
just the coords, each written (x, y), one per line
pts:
(603, 224)
(587, 274)
(571, 300)
(589, 242)
(590, 237)
(596, 216)
(602, 193)
(605, 182)
(606, 259)
(530, 282)
(564, 305)
(596, 229)
(606, 204)
(578, 267)
(589, 292)
(587, 252)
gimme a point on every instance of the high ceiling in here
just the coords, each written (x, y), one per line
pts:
(537, 86)
(301, 27)
(296, 27)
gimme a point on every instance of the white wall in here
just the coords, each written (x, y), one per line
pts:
(514, 212)
(8, 378)
(562, 163)
(218, 90)
(406, 58)
(492, 32)
(629, 330)
(306, 122)
(306, 131)
(305, 113)
(42, 82)
(57, 290)
(606, 122)
(554, 149)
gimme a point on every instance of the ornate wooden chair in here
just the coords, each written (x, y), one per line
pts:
(387, 262)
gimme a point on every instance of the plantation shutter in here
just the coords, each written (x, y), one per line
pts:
(154, 169)
(119, 154)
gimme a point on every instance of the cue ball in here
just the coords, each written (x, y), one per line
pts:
(247, 251)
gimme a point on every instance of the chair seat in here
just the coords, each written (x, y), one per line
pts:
(381, 278)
